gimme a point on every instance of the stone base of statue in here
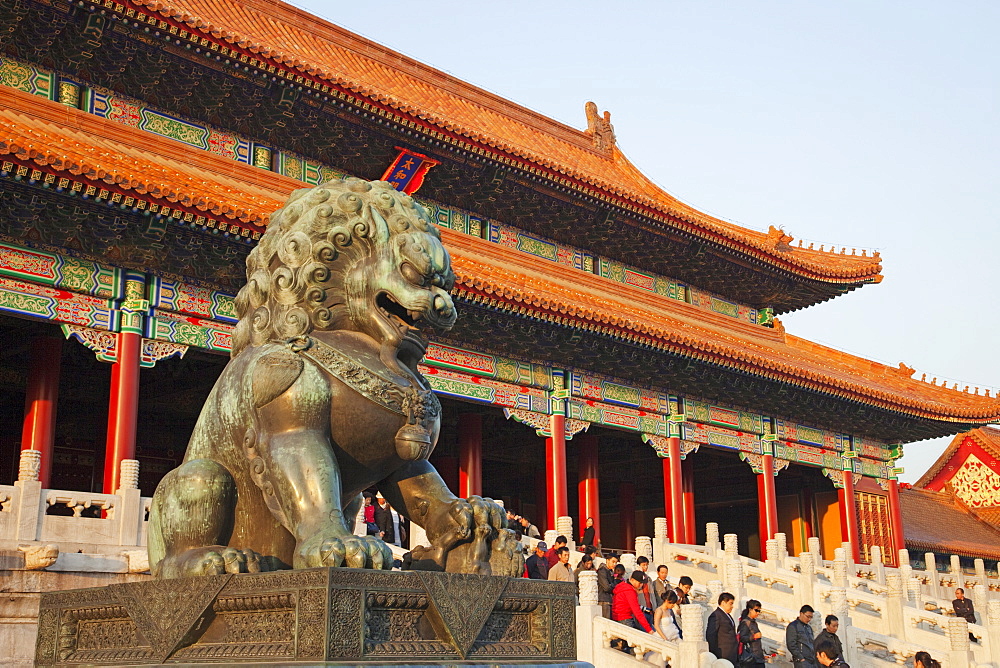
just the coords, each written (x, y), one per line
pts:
(323, 615)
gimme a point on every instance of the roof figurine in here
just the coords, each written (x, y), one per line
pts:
(600, 128)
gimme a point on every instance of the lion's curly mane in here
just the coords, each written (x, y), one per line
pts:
(295, 275)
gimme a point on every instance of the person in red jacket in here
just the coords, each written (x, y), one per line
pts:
(625, 603)
(553, 554)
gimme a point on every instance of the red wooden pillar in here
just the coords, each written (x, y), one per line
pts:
(676, 489)
(555, 470)
(123, 407)
(40, 400)
(768, 500)
(470, 455)
(626, 513)
(587, 488)
(898, 539)
(668, 496)
(849, 515)
(687, 475)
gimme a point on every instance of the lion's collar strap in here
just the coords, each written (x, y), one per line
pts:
(415, 404)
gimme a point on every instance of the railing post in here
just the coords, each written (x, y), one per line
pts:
(586, 612)
(29, 506)
(933, 580)
(693, 645)
(129, 508)
(849, 550)
(840, 576)
(992, 619)
(782, 542)
(771, 554)
(892, 617)
(731, 542)
(878, 565)
(736, 582)
(644, 548)
(564, 525)
(807, 577)
(659, 539)
(981, 573)
(956, 571)
(959, 653)
(712, 538)
(839, 607)
(816, 549)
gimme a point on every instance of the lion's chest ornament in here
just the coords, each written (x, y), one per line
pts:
(420, 407)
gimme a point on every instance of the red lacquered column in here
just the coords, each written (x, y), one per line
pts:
(770, 499)
(555, 470)
(470, 455)
(676, 489)
(40, 401)
(668, 496)
(123, 407)
(587, 488)
(849, 515)
(690, 527)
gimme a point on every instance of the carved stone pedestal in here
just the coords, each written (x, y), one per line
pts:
(311, 616)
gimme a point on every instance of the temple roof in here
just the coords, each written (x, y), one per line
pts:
(938, 522)
(67, 141)
(986, 438)
(452, 110)
(591, 302)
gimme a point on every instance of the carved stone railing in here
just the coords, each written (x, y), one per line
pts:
(74, 531)
(885, 615)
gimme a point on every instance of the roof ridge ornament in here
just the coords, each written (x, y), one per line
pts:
(600, 129)
(779, 239)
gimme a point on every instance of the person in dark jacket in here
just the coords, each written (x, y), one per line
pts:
(538, 565)
(963, 608)
(829, 634)
(826, 655)
(589, 533)
(606, 585)
(799, 639)
(749, 636)
(721, 630)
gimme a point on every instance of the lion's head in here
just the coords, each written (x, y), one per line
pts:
(347, 254)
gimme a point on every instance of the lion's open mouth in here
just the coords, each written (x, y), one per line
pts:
(392, 309)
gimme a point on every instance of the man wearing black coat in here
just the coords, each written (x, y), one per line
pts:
(606, 585)
(963, 608)
(721, 631)
(538, 565)
(799, 639)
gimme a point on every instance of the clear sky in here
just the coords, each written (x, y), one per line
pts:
(861, 124)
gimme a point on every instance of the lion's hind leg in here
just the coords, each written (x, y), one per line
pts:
(191, 521)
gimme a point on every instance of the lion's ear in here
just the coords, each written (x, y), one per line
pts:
(273, 374)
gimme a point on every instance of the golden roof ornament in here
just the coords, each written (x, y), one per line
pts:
(600, 128)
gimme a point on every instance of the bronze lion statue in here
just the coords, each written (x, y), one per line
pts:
(322, 399)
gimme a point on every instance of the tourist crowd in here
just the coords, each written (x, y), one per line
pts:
(653, 605)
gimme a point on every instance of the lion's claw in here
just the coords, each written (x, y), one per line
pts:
(347, 551)
(213, 560)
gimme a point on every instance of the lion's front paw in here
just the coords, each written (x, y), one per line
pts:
(347, 551)
(506, 557)
(467, 534)
(212, 560)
